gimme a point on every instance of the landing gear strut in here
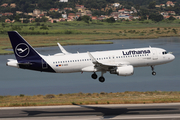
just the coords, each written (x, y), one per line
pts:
(102, 79)
(94, 75)
(153, 73)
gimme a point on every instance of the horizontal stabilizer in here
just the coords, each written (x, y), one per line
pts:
(12, 63)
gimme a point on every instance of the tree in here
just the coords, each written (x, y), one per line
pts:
(3, 24)
(110, 11)
(43, 19)
(2, 19)
(26, 21)
(79, 19)
(110, 20)
(44, 27)
(55, 15)
(171, 18)
(137, 6)
(177, 9)
(84, 18)
(17, 17)
(152, 5)
(156, 17)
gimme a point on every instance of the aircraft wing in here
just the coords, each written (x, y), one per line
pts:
(103, 66)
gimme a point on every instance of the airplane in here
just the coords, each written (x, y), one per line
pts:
(119, 62)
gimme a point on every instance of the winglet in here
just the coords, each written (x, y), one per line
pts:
(92, 58)
(63, 50)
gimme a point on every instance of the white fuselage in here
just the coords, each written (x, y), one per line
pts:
(81, 62)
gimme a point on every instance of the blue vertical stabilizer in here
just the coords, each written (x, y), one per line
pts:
(26, 55)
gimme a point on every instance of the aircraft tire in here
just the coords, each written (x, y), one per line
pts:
(94, 76)
(101, 79)
(153, 73)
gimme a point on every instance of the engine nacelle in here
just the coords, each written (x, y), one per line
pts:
(123, 71)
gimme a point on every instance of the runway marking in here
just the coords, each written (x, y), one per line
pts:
(74, 106)
(92, 117)
(167, 116)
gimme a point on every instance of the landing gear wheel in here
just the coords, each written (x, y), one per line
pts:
(101, 79)
(153, 73)
(94, 76)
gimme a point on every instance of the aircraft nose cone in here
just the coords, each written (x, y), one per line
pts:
(173, 57)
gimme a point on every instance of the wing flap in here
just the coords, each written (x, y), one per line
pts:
(89, 69)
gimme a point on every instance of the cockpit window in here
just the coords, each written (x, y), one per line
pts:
(164, 53)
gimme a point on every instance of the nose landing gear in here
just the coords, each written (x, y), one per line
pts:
(153, 72)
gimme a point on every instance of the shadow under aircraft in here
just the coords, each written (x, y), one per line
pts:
(106, 112)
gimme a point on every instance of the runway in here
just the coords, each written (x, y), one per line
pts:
(167, 111)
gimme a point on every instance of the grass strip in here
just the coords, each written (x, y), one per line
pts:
(76, 33)
(91, 98)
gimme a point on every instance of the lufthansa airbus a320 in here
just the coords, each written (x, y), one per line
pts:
(119, 62)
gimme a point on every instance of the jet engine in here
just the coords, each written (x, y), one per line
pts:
(123, 71)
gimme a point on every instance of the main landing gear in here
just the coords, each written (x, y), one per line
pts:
(101, 79)
(153, 73)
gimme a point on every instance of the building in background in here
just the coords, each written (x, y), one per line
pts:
(63, 0)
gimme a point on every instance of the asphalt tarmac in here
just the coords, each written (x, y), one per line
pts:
(168, 111)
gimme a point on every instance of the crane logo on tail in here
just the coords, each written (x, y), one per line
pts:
(22, 50)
